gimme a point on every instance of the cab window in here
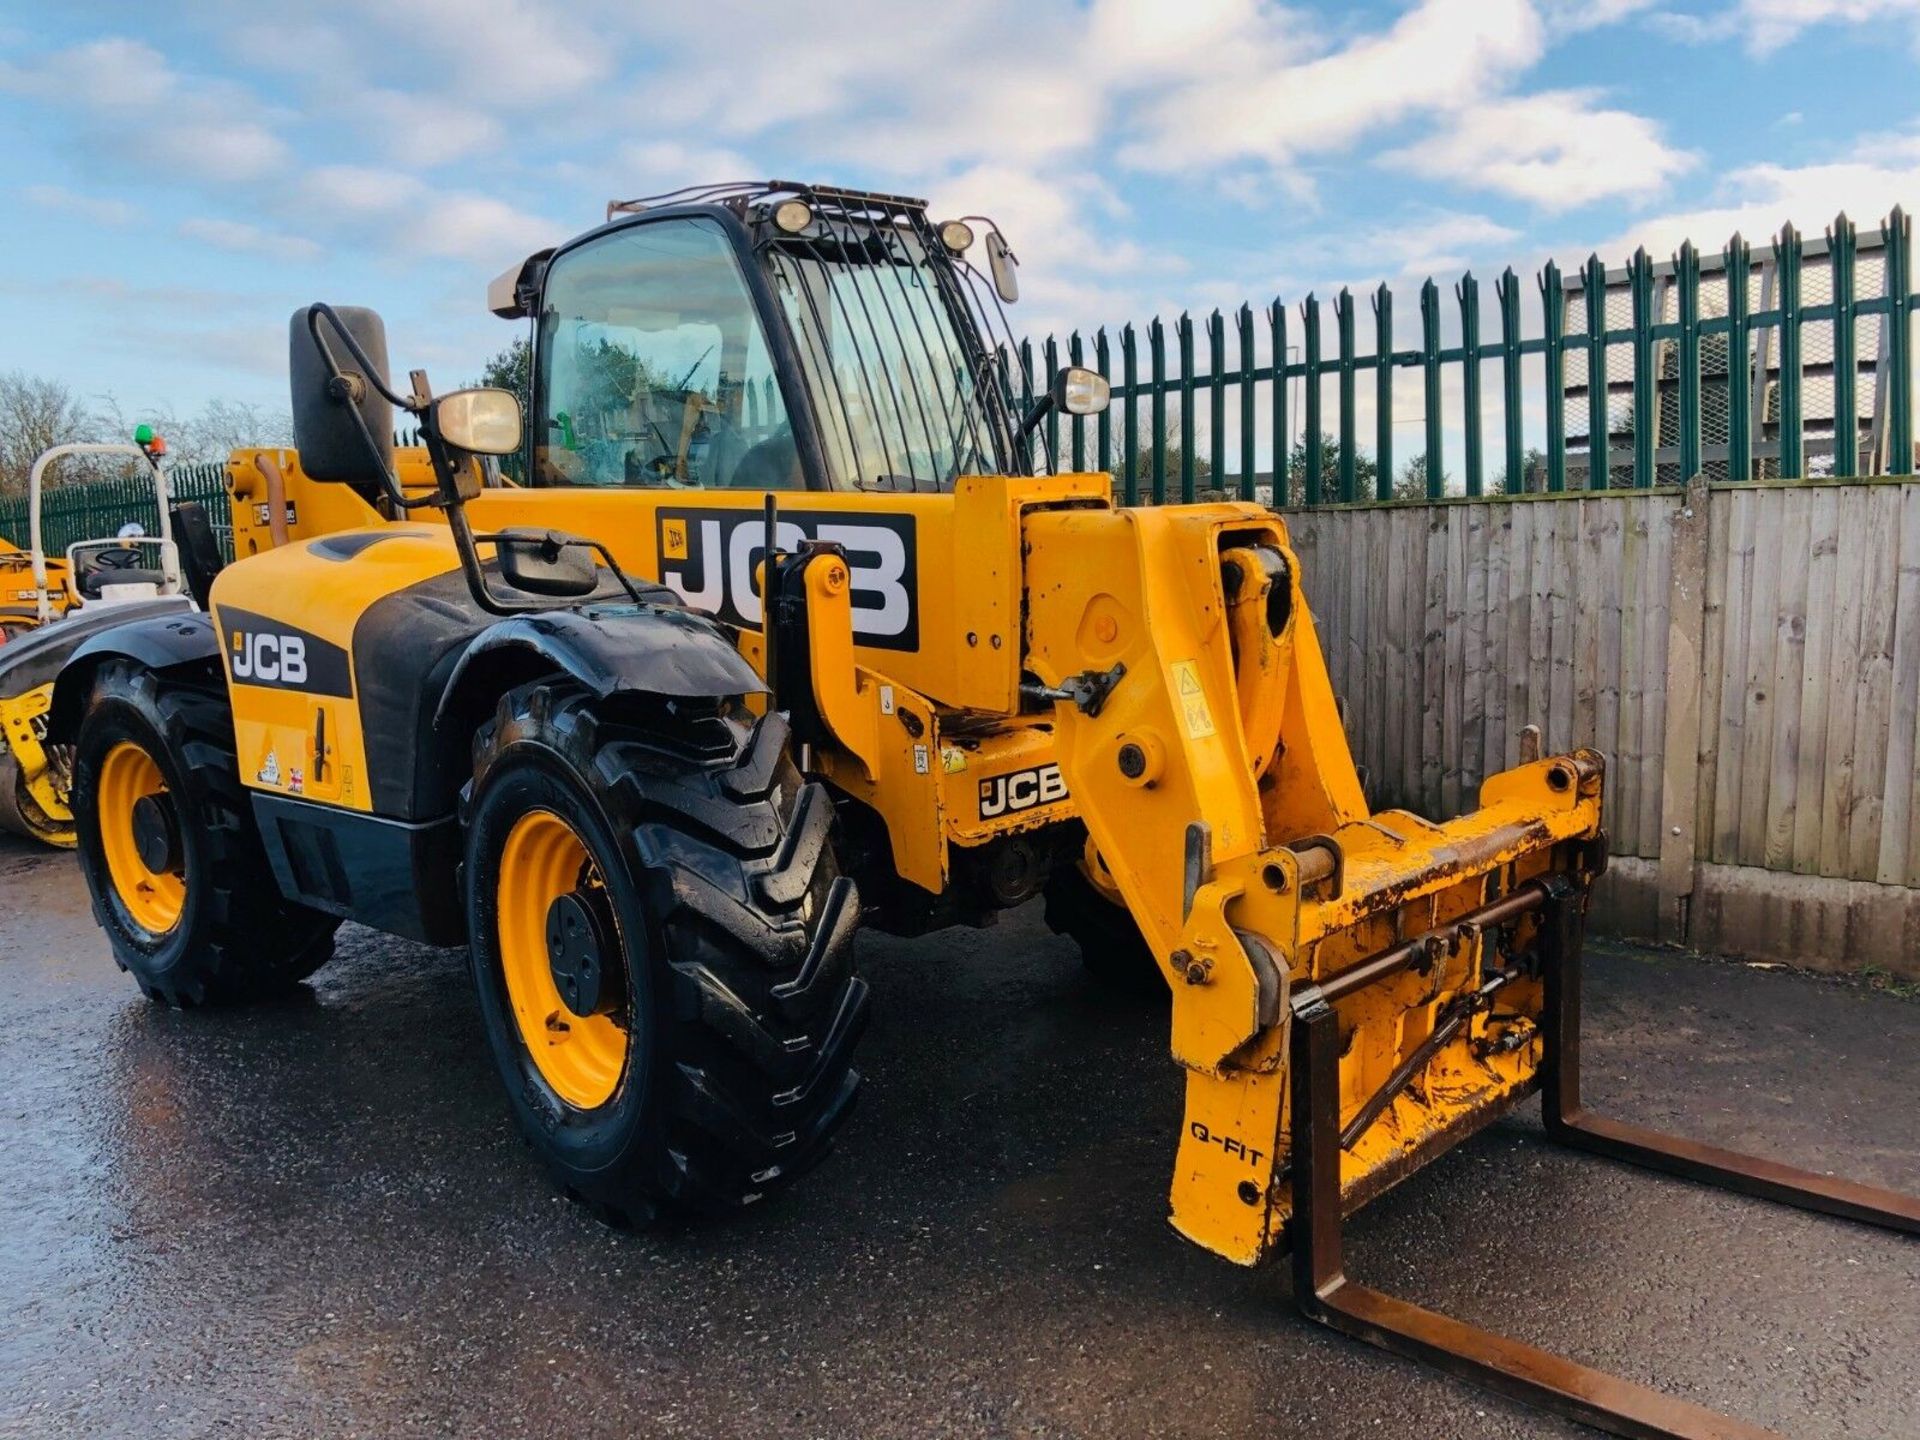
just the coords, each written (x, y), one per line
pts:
(653, 369)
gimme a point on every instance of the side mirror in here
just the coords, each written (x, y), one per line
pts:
(342, 425)
(480, 421)
(1001, 261)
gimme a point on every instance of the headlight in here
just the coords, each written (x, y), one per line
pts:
(956, 235)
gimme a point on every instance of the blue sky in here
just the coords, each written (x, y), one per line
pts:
(178, 178)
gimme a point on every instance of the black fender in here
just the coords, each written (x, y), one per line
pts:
(644, 650)
(180, 640)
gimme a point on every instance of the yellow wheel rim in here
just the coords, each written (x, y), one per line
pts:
(581, 1057)
(154, 899)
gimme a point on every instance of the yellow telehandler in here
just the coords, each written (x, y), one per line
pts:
(789, 625)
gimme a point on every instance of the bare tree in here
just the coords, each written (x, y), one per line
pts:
(223, 426)
(220, 427)
(35, 414)
(1412, 481)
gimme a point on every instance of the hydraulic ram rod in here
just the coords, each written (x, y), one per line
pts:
(1424, 948)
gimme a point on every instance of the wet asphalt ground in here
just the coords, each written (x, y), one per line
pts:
(315, 1219)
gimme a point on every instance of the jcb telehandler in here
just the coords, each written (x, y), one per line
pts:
(788, 610)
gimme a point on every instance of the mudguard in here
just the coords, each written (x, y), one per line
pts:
(175, 636)
(612, 650)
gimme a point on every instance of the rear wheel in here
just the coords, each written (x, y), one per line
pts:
(168, 844)
(662, 945)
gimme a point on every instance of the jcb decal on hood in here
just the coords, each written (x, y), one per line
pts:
(278, 656)
(709, 557)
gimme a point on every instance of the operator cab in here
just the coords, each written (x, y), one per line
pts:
(776, 336)
(763, 337)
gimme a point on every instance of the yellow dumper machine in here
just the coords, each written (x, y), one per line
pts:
(786, 626)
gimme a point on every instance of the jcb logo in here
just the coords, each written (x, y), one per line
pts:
(267, 658)
(265, 652)
(1021, 790)
(710, 556)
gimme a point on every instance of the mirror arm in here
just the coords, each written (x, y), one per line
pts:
(1042, 407)
(445, 462)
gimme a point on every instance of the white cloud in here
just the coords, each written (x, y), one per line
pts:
(215, 148)
(655, 166)
(135, 110)
(1556, 149)
(873, 87)
(114, 74)
(511, 52)
(95, 209)
(328, 192)
(1770, 24)
(1757, 199)
(1410, 246)
(1261, 102)
(1571, 16)
(1437, 243)
(459, 225)
(424, 129)
(239, 238)
(402, 214)
(1145, 40)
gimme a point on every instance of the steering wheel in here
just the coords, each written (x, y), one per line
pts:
(116, 557)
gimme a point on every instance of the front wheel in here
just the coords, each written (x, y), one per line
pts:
(662, 946)
(172, 856)
(1112, 950)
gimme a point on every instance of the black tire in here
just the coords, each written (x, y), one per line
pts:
(24, 815)
(1112, 949)
(733, 934)
(236, 938)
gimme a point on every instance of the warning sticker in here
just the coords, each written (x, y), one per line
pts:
(1192, 700)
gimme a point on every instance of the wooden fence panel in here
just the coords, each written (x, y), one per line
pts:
(1453, 625)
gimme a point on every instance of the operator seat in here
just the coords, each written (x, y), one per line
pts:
(773, 464)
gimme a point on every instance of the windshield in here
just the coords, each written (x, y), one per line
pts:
(894, 381)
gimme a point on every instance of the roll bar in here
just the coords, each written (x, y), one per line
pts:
(169, 553)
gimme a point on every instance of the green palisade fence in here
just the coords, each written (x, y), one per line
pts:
(1791, 359)
(96, 509)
